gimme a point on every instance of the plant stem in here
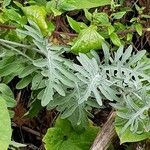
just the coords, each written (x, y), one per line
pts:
(18, 44)
(19, 52)
(106, 136)
(7, 27)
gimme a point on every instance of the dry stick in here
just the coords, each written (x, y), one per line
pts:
(66, 33)
(29, 130)
(106, 136)
(147, 144)
(143, 145)
(7, 27)
(140, 146)
(132, 30)
(119, 33)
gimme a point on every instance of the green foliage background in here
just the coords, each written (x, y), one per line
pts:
(101, 68)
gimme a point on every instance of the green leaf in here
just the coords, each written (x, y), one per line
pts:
(18, 4)
(48, 94)
(5, 125)
(77, 26)
(10, 68)
(38, 15)
(138, 28)
(24, 82)
(63, 137)
(7, 95)
(88, 15)
(111, 29)
(6, 3)
(78, 4)
(139, 9)
(2, 18)
(115, 39)
(36, 81)
(52, 7)
(119, 26)
(129, 136)
(101, 18)
(118, 15)
(145, 16)
(4, 89)
(129, 36)
(57, 7)
(134, 19)
(34, 109)
(27, 71)
(87, 40)
(11, 14)
(137, 57)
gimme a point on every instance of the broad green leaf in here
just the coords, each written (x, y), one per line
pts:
(134, 19)
(9, 78)
(24, 82)
(118, 15)
(119, 26)
(34, 109)
(139, 9)
(7, 95)
(56, 12)
(77, 26)
(129, 36)
(38, 15)
(5, 125)
(101, 18)
(63, 124)
(40, 63)
(145, 16)
(115, 39)
(82, 4)
(27, 71)
(138, 28)
(11, 14)
(51, 7)
(9, 101)
(18, 4)
(88, 15)
(129, 136)
(6, 3)
(87, 40)
(4, 89)
(63, 136)
(57, 7)
(111, 29)
(36, 81)
(2, 18)
(10, 68)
